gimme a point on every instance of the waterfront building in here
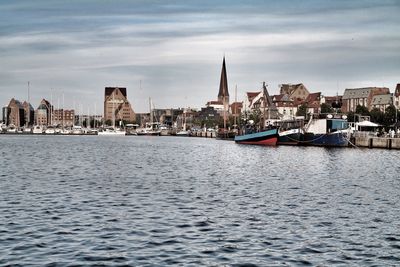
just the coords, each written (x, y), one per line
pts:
(117, 106)
(29, 113)
(285, 105)
(361, 96)
(294, 91)
(209, 116)
(43, 113)
(313, 102)
(14, 113)
(63, 117)
(381, 102)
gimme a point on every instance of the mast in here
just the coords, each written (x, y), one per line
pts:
(113, 117)
(235, 104)
(151, 114)
(224, 113)
(29, 108)
(63, 111)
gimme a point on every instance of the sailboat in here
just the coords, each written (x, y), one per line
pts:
(151, 128)
(112, 131)
(183, 132)
(267, 136)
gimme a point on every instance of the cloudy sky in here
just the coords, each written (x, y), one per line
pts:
(175, 48)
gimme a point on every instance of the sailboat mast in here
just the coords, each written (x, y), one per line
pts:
(29, 107)
(113, 117)
(151, 114)
(265, 103)
(235, 104)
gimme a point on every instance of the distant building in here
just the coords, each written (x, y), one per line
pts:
(217, 105)
(361, 96)
(43, 113)
(14, 114)
(264, 101)
(223, 94)
(381, 102)
(285, 105)
(63, 117)
(117, 106)
(332, 101)
(294, 91)
(209, 115)
(313, 102)
(29, 113)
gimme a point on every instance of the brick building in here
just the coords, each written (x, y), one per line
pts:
(361, 96)
(14, 113)
(43, 113)
(117, 106)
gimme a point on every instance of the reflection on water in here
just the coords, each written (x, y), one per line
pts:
(156, 201)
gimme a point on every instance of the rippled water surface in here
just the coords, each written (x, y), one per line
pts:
(159, 201)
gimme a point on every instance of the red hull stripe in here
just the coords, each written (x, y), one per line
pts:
(269, 142)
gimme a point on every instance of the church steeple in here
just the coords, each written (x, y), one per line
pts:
(223, 94)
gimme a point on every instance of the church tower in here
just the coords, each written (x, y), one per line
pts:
(223, 95)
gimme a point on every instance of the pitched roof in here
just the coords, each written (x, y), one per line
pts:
(214, 102)
(109, 90)
(313, 97)
(385, 99)
(397, 90)
(223, 83)
(281, 97)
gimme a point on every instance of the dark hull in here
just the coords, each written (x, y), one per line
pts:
(290, 137)
(264, 138)
(337, 139)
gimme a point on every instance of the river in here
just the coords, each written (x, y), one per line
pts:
(159, 201)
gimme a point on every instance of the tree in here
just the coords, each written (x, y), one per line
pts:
(377, 115)
(325, 108)
(389, 117)
(351, 116)
(363, 111)
(302, 110)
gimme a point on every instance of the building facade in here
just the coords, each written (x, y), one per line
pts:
(14, 113)
(396, 96)
(361, 96)
(294, 91)
(43, 113)
(63, 117)
(381, 102)
(117, 106)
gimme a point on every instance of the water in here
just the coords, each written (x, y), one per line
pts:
(158, 201)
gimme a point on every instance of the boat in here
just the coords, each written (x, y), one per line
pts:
(27, 130)
(77, 130)
(12, 129)
(268, 137)
(112, 131)
(151, 128)
(37, 129)
(50, 130)
(327, 130)
(291, 130)
(268, 134)
(183, 131)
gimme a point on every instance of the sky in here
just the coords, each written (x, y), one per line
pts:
(172, 51)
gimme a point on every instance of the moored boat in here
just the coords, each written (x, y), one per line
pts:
(268, 137)
(327, 130)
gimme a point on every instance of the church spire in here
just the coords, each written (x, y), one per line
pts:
(223, 94)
